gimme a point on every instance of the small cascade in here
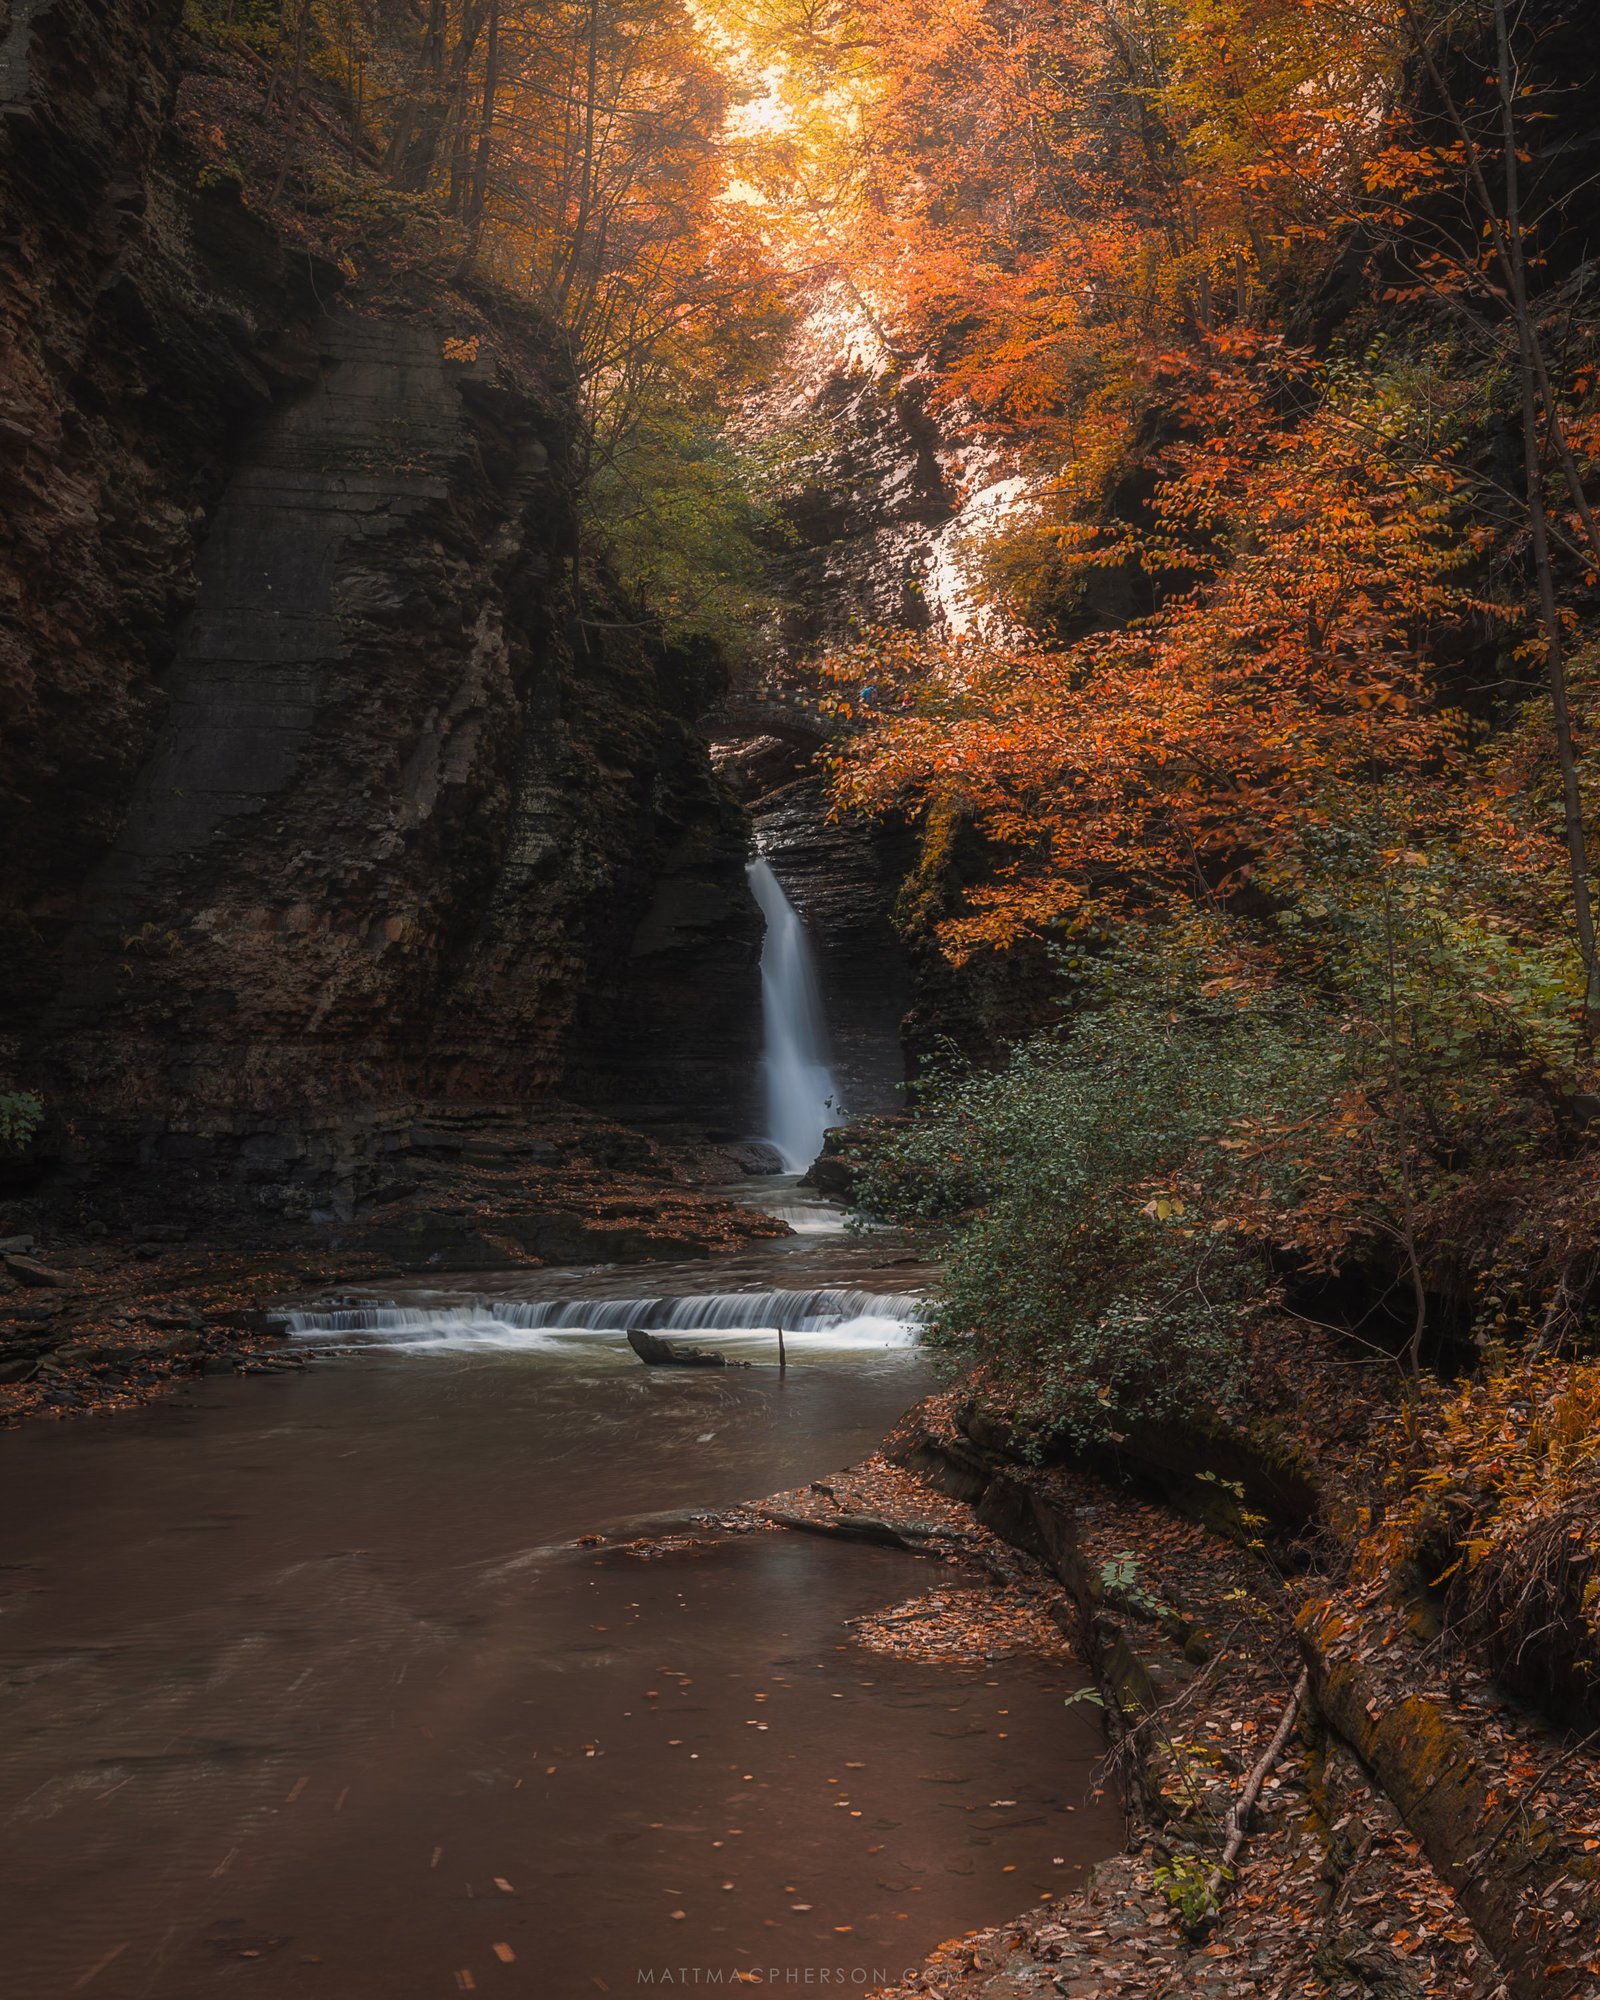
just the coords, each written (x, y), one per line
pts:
(829, 1319)
(800, 1085)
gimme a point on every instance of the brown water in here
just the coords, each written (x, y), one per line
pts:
(301, 1693)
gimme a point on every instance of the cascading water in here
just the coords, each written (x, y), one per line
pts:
(829, 1320)
(800, 1085)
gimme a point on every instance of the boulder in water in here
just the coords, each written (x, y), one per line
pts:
(29, 1271)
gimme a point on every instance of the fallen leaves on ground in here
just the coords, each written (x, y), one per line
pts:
(969, 1626)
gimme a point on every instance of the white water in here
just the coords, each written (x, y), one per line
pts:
(800, 1085)
(823, 1321)
(809, 1218)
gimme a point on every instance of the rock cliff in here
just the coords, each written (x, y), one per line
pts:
(886, 493)
(328, 801)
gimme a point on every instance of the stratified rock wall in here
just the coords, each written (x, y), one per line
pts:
(869, 514)
(888, 494)
(327, 800)
(128, 362)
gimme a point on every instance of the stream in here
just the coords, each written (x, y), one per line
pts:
(309, 1688)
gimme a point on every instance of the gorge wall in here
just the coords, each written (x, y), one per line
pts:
(329, 804)
(889, 490)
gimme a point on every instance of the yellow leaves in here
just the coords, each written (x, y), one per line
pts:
(461, 349)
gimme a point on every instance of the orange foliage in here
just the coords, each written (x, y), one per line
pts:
(1301, 562)
(1046, 197)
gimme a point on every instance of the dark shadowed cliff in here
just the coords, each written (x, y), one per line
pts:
(328, 804)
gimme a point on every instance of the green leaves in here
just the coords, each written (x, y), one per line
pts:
(681, 516)
(21, 1115)
(1084, 1193)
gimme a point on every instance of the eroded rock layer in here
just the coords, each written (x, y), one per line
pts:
(328, 800)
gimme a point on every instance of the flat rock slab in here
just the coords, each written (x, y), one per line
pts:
(29, 1271)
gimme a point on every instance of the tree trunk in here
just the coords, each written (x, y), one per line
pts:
(478, 193)
(1529, 371)
(1506, 240)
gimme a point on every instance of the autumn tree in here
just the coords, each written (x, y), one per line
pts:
(1250, 291)
(1297, 560)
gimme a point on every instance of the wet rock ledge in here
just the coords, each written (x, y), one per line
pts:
(96, 1318)
(1417, 1835)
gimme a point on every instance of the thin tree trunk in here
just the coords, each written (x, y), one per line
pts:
(275, 73)
(1566, 755)
(1506, 240)
(1239, 1812)
(1533, 464)
(458, 124)
(1508, 255)
(478, 196)
(293, 105)
(1558, 435)
(1408, 1199)
(586, 169)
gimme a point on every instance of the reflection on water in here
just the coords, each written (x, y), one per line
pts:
(307, 1691)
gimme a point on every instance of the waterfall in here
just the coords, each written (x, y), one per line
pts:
(828, 1320)
(794, 1053)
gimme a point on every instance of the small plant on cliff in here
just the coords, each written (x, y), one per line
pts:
(1119, 1581)
(1185, 1881)
(21, 1115)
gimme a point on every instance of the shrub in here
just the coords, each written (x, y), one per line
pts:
(1495, 1493)
(1095, 1263)
(21, 1115)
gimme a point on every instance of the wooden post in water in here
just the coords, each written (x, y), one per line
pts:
(783, 1354)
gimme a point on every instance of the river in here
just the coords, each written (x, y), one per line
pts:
(309, 1687)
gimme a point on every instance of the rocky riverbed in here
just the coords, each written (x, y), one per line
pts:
(91, 1320)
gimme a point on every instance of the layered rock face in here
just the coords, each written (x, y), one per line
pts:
(121, 390)
(871, 517)
(329, 802)
(879, 523)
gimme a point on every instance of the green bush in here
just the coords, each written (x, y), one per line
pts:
(1379, 1076)
(1093, 1265)
(21, 1115)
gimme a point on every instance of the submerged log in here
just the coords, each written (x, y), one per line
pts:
(657, 1353)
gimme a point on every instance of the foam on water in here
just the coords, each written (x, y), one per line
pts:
(821, 1321)
(809, 1218)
